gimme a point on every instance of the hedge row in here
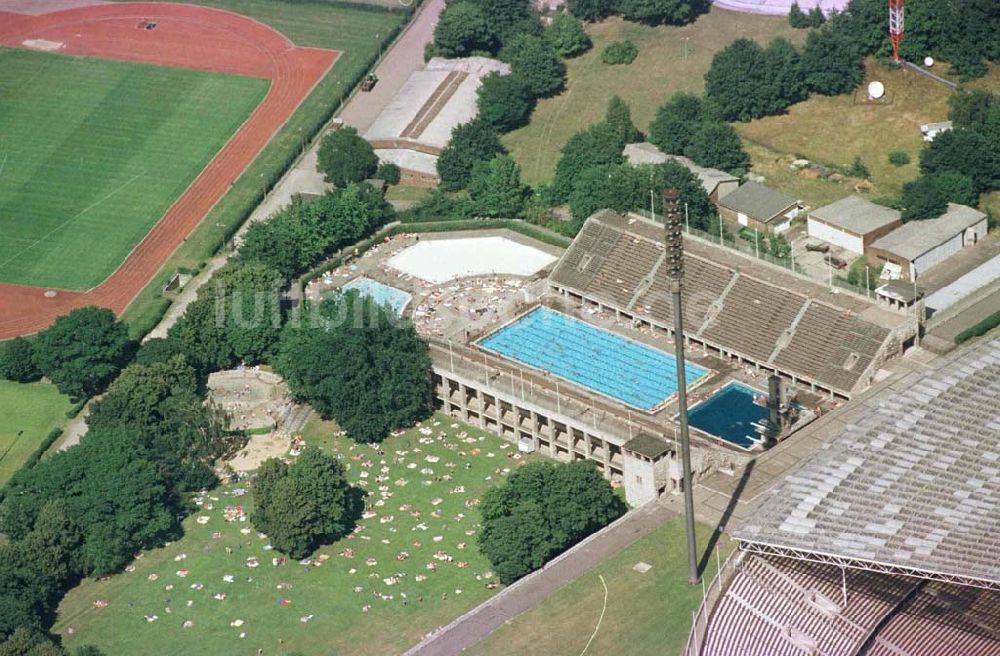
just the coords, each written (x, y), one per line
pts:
(981, 328)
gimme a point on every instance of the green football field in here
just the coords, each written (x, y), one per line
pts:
(93, 152)
(27, 414)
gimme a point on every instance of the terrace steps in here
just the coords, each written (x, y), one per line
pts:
(786, 336)
(432, 107)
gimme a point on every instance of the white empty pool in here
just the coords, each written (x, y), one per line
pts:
(441, 260)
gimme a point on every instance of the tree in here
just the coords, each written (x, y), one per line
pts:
(462, 30)
(590, 10)
(619, 117)
(505, 19)
(816, 17)
(658, 12)
(247, 306)
(17, 363)
(504, 102)
(536, 63)
(857, 169)
(542, 510)
(470, 143)
(832, 62)
(389, 172)
(566, 35)
(600, 144)
(785, 83)
(306, 504)
(717, 145)
(798, 18)
(964, 151)
(496, 188)
(779, 247)
(737, 81)
(344, 157)
(83, 351)
(675, 122)
(355, 361)
(619, 52)
(928, 196)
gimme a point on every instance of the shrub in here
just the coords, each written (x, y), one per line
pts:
(899, 158)
(344, 157)
(389, 172)
(619, 52)
(470, 142)
(981, 328)
(566, 35)
(857, 169)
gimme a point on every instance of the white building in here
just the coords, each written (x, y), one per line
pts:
(917, 246)
(852, 223)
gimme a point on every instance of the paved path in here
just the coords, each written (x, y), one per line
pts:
(530, 591)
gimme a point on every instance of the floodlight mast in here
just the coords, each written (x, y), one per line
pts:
(896, 26)
(673, 240)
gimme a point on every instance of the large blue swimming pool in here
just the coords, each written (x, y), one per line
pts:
(396, 299)
(730, 414)
(633, 373)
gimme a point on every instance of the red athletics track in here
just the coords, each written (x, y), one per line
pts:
(186, 36)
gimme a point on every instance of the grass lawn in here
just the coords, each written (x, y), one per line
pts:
(406, 477)
(660, 70)
(27, 414)
(646, 614)
(93, 154)
(358, 33)
(833, 130)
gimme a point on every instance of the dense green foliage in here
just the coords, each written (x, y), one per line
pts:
(159, 402)
(17, 363)
(470, 142)
(899, 158)
(619, 117)
(344, 157)
(676, 121)
(535, 62)
(236, 317)
(649, 12)
(462, 30)
(355, 361)
(81, 352)
(496, 189)
(306, 504)
(928, 196)
(717, 145)
(302, 234)
(965, 151)
(504, 102)
(800, 19)
(688, 125)
(981, 328)
(746, 81)
(619, 52)
(598, 145)
(856, 274)
(832, 63)
(389, 172)
(542, 510)
(566, 35)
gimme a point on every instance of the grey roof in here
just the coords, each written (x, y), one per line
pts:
(900, 290)
(856, 215)
(758, 201)
(647, 445)
(638, 154)
(912, 482)
(913, 239)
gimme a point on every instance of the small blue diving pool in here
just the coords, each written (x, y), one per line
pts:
(635, 374)
(396, 299)
(730, 414)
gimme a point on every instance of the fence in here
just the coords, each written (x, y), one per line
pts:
(711, 595)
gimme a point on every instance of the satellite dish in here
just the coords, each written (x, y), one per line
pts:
(928, 61)
(876, 89)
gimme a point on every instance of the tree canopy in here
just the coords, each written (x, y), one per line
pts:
(717, 145)
(83, 351)
(504, 102)
(496, 189)
(928, 196)
(462, 30)
(964, 151)
(344, 157)
(658, 12)
(746, 81)
(543, 509)
(355, 361)
(832, 62)
(598, 145)
(567, 36)
(536, 63)
(306, 504)
(676, 121)
(17, 363)
(470, 143)
(619, 117)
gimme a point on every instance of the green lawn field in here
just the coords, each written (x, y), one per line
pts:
(27, 414)
(424, 503)
(92, 154)
(643, 614)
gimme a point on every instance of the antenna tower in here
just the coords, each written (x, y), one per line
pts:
(896, 26)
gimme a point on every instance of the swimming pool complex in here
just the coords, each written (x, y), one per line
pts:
(635, 374)
(396, 299)
(730, 415)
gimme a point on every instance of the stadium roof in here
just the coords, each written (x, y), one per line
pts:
(912, 484)
(913, 239)
(856, 215)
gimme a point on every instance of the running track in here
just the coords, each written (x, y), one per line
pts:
(186, 36)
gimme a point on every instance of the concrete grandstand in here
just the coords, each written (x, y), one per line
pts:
(416, 125)
(883, 543)
(735, 307)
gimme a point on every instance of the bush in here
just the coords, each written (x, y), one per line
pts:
(389, 172)
(857, 169)
(981, 328)
(619, 52)
(566, 35)
(344, 157)
(542, 510)
(899, 158)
